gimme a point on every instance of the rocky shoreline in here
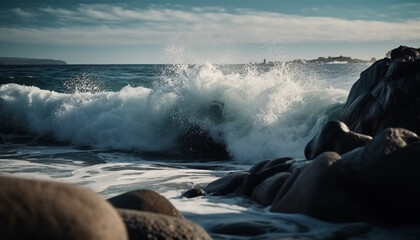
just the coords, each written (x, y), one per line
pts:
(361, 167)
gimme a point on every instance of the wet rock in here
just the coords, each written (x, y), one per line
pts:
(386, 95)
(195, 192)
(376, 182)
(335, 136)
(265, 192)
(227, 184)
(33, 209)
(197, 143)
(147, 225)
(320, 191)
(145, 200)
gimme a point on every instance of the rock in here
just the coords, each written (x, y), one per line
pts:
(386, 95)
(265, 192)
(260, 183)
(147, 225)
(227, 184)
(254, 179)
(33, 209)
(145, 200)
(320, 191)
(386, 173)
(195, 192)
(335, 136)
(263, 165)
(197, 143)
(376, 182)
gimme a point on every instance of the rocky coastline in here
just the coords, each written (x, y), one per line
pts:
(362, 166)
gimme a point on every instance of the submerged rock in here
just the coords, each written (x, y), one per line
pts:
(197, 143)
(33, 209)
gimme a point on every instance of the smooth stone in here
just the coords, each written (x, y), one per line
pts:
(319, 190)
(145, 200)
(147, 225)
(267, 190)
(227, 184)
(35, 209)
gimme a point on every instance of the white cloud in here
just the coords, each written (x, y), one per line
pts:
(23, 14)
(116, 25)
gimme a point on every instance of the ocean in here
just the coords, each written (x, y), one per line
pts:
(117, 128)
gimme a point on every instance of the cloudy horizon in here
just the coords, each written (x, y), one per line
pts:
(180, 32)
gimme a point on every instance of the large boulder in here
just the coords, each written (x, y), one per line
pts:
(386, 95)
(148, 225)
(145, 200)
(33, 209)
(378, 182)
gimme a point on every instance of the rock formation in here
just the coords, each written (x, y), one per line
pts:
(386, 95)
(365, 166)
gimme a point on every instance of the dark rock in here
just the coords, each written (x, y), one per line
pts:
(147, 225)
(405, 52)
(258, 177)
(386, 173)
(252, 180)
(227, 184)
(377, 182)
(195, 192)
(386, 95)
(320, 191)
(33, 209)
(197, 143)
(265, 192)
(262, 165)
(145, 200)
(335, 136)
(257, 167)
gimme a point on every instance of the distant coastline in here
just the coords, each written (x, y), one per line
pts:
(340, 59)
(29, 61)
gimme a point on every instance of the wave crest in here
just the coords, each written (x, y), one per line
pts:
(255, 112)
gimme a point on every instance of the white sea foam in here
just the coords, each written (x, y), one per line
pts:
(256, 113)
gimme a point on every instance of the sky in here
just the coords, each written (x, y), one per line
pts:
(203, 31)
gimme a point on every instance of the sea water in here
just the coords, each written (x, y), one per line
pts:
(116, 128)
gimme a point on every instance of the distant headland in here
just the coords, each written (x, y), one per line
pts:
(29, 61)
(340, 59)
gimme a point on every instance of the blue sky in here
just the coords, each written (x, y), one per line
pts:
(199, 31)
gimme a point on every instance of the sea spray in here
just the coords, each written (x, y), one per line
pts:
(256, 111)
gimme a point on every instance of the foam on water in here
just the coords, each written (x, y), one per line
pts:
(256, 113)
